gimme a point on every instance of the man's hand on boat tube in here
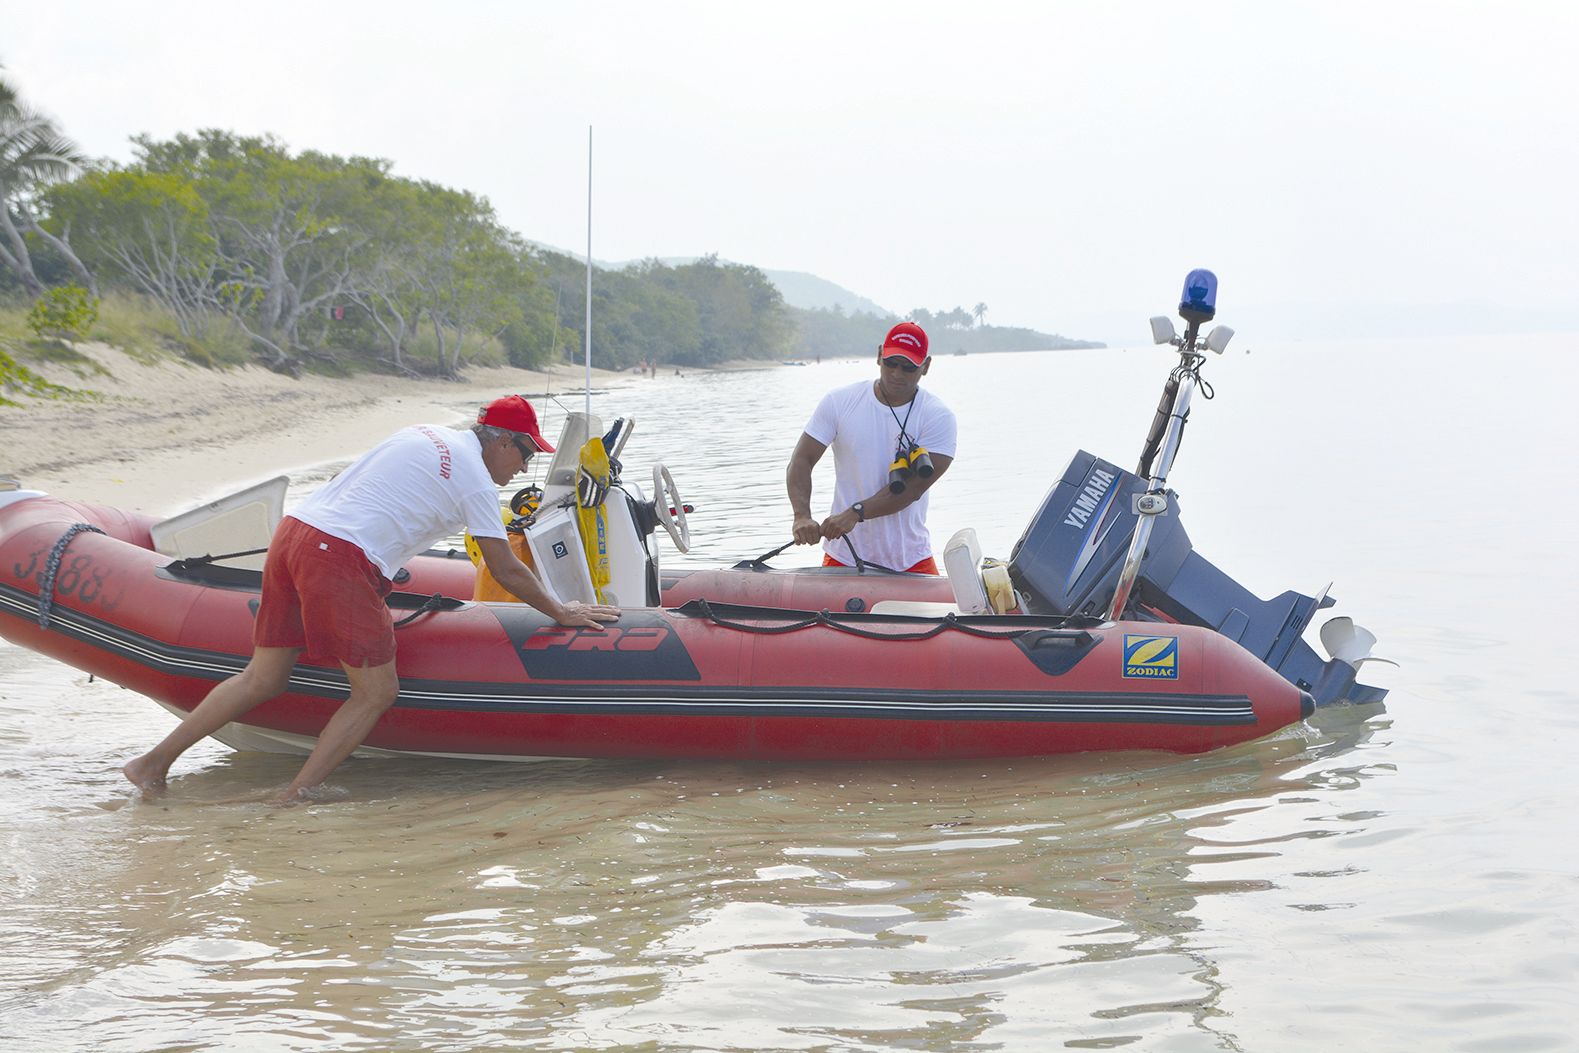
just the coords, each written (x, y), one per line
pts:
(586, 614)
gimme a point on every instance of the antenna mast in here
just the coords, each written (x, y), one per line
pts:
(588, 352)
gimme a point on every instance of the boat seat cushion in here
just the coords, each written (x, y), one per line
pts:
(961, 562)
(914, 608)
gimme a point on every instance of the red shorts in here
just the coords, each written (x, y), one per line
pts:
(926, 566)
(322, 595)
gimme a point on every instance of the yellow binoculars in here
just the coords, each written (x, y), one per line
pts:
(915, 459)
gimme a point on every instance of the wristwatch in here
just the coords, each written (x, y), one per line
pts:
(860, 511)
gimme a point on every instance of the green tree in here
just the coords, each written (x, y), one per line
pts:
(740, 313)
(33, 154)
(829, 333)
(286, 243)
(468, 276)
(317, 257)
(66, 313)
(151, 232)
(386, 285)
(217, 223)
(540, 337)
(978, 312)
(665, 326)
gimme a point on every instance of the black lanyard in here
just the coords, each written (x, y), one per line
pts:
(905, 441)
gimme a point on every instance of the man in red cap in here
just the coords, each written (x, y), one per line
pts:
(876, 429)
(329, 569)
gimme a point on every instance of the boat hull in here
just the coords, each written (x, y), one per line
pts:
(713, 679)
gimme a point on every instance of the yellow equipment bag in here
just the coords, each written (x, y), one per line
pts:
(592, 486)
(472, 549)
(1000, 590)
(486, 588)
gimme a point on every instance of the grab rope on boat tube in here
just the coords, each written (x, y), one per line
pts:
(46, 588)
(843, 623)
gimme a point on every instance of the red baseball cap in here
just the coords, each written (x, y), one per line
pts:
(514, 413)
(908, 340)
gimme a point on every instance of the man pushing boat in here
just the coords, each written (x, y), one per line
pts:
(329, 567)
(891, 442)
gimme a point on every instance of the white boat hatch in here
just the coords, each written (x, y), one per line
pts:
(239, 522)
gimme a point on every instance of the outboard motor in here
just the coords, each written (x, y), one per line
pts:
(1109, 544)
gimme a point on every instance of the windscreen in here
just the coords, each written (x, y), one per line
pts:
(567, 451)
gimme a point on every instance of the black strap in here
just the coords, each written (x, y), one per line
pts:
(761, 562)
(861, 565)
(193, 562)
(437, 602)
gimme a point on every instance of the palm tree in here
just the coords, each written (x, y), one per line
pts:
(979, 310)
(33, 154)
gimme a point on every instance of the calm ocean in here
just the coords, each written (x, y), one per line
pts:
(1402, 877)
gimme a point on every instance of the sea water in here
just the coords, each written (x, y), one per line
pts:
(1389, 877)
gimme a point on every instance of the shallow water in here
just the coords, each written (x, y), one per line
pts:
(1384, 878)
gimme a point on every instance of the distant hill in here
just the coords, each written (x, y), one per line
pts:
(833, 320)
(824, 333)
(799, 289)
(811, 292)
(1005, 338)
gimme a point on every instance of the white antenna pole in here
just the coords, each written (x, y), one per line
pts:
(588, 352)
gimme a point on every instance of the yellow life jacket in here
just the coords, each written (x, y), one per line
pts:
(592, 486)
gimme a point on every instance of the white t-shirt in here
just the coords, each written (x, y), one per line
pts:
(419, 485)
(863, 433)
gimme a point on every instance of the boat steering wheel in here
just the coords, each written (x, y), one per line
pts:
(669, 508)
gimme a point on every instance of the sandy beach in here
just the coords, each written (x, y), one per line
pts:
(170, 435)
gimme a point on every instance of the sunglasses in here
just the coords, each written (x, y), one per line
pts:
(896, 362)
(525, 451)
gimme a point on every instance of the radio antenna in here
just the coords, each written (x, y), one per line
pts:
(587, 354)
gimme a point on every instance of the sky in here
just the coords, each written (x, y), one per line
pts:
(1387, 167)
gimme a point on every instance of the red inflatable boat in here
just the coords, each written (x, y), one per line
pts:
(707, 679)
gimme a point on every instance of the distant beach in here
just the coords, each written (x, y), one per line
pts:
(169, 434)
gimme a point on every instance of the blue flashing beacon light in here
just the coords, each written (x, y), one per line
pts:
(1199, 300)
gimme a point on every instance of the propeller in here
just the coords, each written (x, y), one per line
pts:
(1350, 643)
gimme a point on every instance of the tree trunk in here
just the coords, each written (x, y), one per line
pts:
(16, 256)
(443, 355)
(271, 310)
(63, 246)
(394, 330)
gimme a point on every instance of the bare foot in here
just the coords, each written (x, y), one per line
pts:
(320, 794)
(144, 775)
(288, 799)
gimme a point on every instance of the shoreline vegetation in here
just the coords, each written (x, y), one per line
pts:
(223, 296)
(226, 249)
